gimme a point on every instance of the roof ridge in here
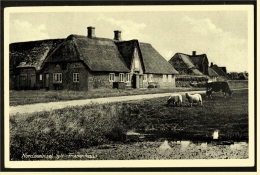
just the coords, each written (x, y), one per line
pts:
(224, 74)
(36, 41)
(77, 50)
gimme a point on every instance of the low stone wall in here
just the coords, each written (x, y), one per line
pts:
(189, 81)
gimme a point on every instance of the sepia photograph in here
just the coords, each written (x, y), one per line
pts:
(129, 86)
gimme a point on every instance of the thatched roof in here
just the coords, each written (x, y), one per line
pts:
(219, 71)
(102, 54)
(212, 73)
(31, 54)
(198, 59)
(182, 61)
(126, 49)
(154, 62)
(224, 69)
(99, 54)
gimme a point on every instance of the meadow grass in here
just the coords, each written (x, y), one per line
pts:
(25, 97)
(72, 128)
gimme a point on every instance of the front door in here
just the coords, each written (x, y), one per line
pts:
(33, 81)
(134, 81)
(47, 81)
(23, 80)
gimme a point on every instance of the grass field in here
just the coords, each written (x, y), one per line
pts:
(42, 96)
(24, 97)
(83, 127)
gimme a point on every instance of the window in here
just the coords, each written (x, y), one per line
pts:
(136, 64)
(150, 77)
(164, 78)
(128, 77)
(121, 77)
(57, 78)
(75, 77)
(40, 77)
(145, 78)
(169, 78)
(112, 77)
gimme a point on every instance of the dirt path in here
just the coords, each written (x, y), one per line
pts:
(62, 104)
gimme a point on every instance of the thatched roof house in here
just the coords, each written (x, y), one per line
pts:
(102, 54)
(31, 53)
(190, 64)
(25, 60)
(84, 62)
(221, 74)
(212, 75)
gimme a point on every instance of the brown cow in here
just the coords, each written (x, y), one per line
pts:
(216, 87)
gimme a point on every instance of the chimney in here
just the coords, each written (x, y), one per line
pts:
(211, 64)
(193, 53)
(91, 32)
(117, 35)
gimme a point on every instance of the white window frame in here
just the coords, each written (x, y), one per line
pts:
(111, 77)
(145, 78)
(76, 77)
(121, 77)
(150, 77)
(164, 78)
(40, 77)
(128, 77)
(170, 78)
(57, 77)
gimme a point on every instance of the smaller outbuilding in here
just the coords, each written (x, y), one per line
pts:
(222, 76)
(213, 76)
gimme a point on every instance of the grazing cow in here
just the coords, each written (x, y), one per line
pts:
(216, 87)
(194, 98)
(175, 99)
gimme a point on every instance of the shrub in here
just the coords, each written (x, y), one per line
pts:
(63, 130)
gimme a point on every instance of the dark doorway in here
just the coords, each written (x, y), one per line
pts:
(134, 81)
(47, 81)
(33, 81)
(23, 81)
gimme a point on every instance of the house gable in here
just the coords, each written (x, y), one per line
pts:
(184, 65)
(136, 63)
(65, 52)
(153, 62)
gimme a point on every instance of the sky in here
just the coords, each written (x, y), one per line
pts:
(223, 35)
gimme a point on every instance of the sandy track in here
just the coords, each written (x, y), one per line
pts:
(62, 104)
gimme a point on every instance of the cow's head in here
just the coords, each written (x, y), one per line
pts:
(169, 101)
(230, 93)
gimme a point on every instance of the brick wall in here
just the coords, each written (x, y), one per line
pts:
(101, 80)
(67, 76)
(159, 80)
